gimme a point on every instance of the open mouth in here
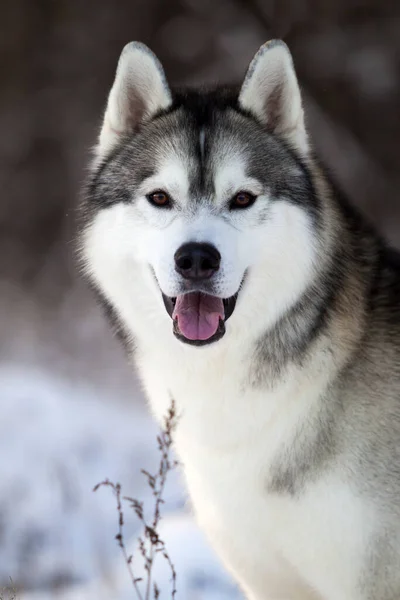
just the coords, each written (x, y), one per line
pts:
(199, 318)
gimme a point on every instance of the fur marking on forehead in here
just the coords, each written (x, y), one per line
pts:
(202, 141)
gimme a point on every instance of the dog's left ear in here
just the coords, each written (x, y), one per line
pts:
(271, 93)
(140, 90)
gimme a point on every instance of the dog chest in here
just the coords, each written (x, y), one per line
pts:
(231, 438)
(278, 542)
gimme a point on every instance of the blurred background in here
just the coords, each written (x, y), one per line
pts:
(71, 411)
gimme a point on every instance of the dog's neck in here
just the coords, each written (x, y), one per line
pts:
(332, 308)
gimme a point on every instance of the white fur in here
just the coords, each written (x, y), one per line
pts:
(230, 431)
(125, 239)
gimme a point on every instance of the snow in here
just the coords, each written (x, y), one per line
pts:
(59, 437)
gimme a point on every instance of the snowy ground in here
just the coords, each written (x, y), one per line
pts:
(58, 438)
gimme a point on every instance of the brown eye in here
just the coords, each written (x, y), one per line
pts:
(160, 199)
(242, 200)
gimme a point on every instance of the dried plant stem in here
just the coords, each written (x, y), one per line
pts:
(156, 545)
(116, 488)
(8, 593)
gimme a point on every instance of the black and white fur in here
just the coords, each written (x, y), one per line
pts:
(289, 424)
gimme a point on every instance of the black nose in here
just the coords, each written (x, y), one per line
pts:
(197, 261)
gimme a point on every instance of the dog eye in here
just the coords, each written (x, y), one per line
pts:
(242, 200)
(159, 198)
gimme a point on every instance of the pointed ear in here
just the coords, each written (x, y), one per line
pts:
(139, 91)
(271, 93)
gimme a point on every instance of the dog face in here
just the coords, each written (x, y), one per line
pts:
(202, 199)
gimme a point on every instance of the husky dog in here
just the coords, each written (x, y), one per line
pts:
(251, 293)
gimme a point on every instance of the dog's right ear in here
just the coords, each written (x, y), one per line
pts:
(139, 91)
(271, 93)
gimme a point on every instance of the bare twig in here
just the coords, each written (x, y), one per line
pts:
(9, 592)
(155, 543)
(116, 488)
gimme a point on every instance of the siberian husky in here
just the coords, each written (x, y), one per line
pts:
(251, 293)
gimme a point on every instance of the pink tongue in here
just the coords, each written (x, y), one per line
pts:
(198, 315)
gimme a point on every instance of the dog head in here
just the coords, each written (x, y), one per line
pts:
(200, 206)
